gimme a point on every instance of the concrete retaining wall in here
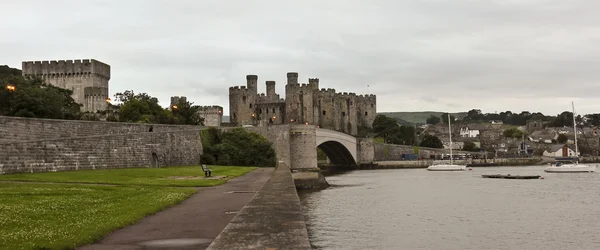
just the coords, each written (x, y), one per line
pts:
(14, 129)
(273, 219)
(149, 149)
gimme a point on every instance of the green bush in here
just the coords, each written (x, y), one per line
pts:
(237, 147)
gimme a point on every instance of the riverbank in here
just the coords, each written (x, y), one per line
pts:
(273, 219)
(498, 162)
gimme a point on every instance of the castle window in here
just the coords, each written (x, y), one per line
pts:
(273, 110)
(250, 105)
(267, 109)
(260, 111)
(366, 113)
(350, 103)
(234, 116)
(343, 113)
(244, 98)
(324, 112)
(371, 105)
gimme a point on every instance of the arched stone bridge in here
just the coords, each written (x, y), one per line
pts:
(297, 145)
(340, 148)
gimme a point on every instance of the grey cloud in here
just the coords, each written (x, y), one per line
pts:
(534, 55)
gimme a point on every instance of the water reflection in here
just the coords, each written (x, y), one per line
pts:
(418, 209)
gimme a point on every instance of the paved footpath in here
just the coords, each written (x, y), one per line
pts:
(191, 224)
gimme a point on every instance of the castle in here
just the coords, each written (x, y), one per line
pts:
(213, 115)
(303, 104)
(88, 79)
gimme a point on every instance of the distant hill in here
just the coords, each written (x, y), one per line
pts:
(417, 117)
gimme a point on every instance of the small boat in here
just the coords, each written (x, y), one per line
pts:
(447, 167)
(571, 165)
(508, 176)
(451, 166)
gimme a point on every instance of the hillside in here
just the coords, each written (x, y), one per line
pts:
(417, 117)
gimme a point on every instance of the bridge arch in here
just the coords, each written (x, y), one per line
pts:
(340, 148)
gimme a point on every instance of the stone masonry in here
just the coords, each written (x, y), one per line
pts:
(146, 149)
(213, 115)
(14, 129)
(88, 79)
(303, 103)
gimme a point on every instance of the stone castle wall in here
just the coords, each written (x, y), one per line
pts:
(213, 115)
(392, 152)
(88, 79)
(147, 149)
(303, 103)
(14, 129)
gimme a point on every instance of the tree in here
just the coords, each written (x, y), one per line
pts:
(32, 97)
(237, 147)
(513, 133)
(470, 146)
(562, 138)
(444, 118)
(389, 129)
(433, 120)
(431, 141)
(187, 113)
(593, 119)
(143, 108)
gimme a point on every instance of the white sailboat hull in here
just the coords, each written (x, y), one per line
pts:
(446, 167)
(571, 168)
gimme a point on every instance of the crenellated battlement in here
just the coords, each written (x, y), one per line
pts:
(66, 68)
(95, 91)
(304, 103)
(87, 78)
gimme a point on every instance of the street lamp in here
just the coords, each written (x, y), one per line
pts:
(174, 107)
(107, 99)
(10, 87)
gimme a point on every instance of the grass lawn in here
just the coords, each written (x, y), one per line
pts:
(67, 213)
(63, 216)
(137, 176)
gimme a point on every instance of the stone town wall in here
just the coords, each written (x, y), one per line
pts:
(13, 129)
(392, 152)
(147, 149)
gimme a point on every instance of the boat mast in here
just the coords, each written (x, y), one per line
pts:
(575, 132)
(450, 135)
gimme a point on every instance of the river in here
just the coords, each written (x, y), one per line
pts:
(419, 209)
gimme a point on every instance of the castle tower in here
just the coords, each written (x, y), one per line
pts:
(175, 100)
(252, 82)
(313, 83)
(242, 102)
(293, 97)
(271, 90)
(88, 79)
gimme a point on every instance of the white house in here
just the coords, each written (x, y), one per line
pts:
(471, 130)
(559, 150)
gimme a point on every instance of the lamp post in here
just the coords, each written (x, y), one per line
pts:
(10, 88)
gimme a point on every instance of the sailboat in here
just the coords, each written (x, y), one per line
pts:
(571, 166)
(451, 166)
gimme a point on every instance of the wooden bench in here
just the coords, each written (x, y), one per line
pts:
(207, 171)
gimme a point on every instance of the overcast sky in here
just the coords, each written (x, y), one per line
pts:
(442, 55)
